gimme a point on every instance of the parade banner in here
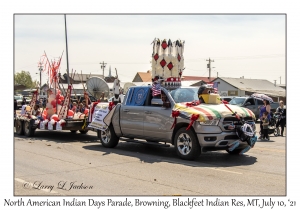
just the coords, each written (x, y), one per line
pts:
(101, 117)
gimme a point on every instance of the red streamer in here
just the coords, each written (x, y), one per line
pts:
(194, 117)
(111, 106)
(175, 114)
(238, 117)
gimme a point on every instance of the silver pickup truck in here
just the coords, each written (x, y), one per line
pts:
(142, 116)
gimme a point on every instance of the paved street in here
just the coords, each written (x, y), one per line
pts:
(62, 163)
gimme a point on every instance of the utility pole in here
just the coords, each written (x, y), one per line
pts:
(209, 67)
(40, 69)
(280, 79)
(66, 35)
(102, 67)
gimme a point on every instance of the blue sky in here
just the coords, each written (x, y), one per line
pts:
(252, 46)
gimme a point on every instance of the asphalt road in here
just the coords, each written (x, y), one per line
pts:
(62, 163)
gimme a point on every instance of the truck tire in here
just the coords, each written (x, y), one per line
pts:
(83, 131)
(108, 137)
(19, 127)
(186, 144)
(28, 131)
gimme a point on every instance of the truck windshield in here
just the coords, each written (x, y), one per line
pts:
(237, 101)
(184, 94)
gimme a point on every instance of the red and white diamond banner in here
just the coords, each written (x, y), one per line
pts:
(65, 107)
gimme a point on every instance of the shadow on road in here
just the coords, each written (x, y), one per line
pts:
(61, 137)
(154, 154)
(145, 153)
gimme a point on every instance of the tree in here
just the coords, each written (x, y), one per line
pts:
(24, 78)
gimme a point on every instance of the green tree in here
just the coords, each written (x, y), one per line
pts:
(24, 78)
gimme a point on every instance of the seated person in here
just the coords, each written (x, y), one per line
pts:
(74, 107)
(166, 102)
(80, 108)
(36, 111)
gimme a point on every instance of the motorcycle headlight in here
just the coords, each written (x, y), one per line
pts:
(210, 122)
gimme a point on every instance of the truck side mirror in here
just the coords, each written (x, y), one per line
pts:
(248, 104)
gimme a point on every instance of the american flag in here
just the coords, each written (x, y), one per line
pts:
(156, 89)
(214, 86)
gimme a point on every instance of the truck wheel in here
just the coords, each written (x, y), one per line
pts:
(19, 127)
(28, 131)
(186, 144)
(108, 137)
(73, 131)
(83, 131)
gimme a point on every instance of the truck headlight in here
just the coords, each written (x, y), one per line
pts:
(210, 122)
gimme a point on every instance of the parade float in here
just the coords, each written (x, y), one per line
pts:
(57, 114)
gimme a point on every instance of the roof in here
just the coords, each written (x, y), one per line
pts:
(145, 76)
(193, 78)
(255, 85)
(78, 77)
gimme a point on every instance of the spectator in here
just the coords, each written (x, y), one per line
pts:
(265, 124)
(282, 111)
(265, 108)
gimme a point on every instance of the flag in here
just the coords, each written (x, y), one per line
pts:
(156, 89)
(214, 86)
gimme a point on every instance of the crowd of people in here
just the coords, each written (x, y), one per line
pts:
(265, 118)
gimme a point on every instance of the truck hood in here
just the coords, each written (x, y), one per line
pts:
(211, 111)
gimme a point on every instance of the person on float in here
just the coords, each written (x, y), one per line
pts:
(81, 108)
(74, 107)
(36, 111)
(264, 108)
(23, 109)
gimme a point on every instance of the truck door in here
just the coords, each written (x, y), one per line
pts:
(157, 121)
(132, 112)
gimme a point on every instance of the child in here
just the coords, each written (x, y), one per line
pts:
(265, 124)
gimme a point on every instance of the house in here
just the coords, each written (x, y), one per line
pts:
(242, 87)
(143, 77)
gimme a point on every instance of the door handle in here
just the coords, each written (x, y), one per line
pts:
(148, 112)
(126, 110)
